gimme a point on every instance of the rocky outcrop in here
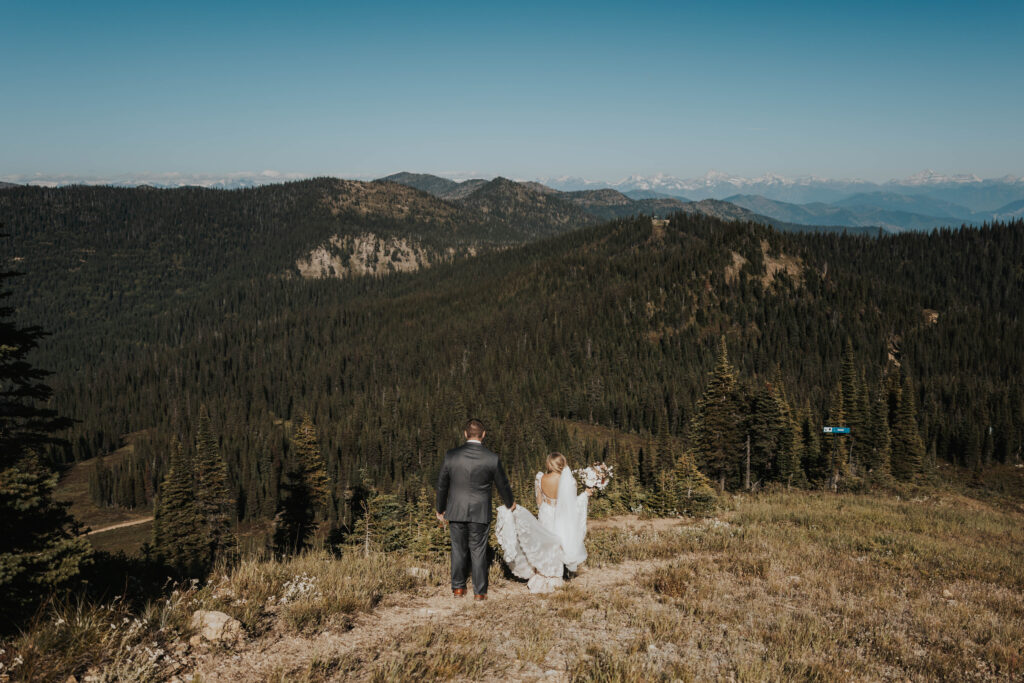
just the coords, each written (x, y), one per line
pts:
(366, 254)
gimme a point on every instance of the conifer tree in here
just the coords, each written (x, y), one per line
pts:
(790, 470)
(661, 500)
(213, 496)
(180, 531)
(305, 492)
(694, 494)
(834, 447)
(766, 426)
(907, 445)
(380, 527)
(647, 473)
(852, 390)
(877, 441)
(715, 430)
(40, 548)
(310, 463)
(812, 456)
(430, 535)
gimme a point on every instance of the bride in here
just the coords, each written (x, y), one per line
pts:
(541, 548)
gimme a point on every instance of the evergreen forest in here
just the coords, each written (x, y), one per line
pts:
(713, 352)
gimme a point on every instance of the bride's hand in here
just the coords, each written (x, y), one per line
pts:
(590, 491)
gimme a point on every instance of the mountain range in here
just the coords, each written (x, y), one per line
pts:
(533, 203)
(970, 191)
(967, 190)
(921, 202)
(891, 211)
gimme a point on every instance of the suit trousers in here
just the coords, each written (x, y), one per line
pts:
(469, 546)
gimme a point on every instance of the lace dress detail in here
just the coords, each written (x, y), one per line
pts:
(542, 497)
(535, 548)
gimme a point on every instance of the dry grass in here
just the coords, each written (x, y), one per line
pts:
(829, 587)
(309, 591)
(436, 652)
(780, 586)
(301, 594)
(108, 641)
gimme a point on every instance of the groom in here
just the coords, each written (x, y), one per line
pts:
(464, 501)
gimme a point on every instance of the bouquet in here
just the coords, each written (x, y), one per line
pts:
(596, 476)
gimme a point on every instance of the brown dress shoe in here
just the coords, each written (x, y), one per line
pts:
(480, 597)
(458, 592)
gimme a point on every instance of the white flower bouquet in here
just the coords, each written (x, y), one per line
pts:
(597, 476)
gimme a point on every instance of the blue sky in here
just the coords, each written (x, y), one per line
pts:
(600, 90)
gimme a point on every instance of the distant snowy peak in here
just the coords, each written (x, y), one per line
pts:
(965, 190)
(230, 181)
(710, 181)
(930, 177)
(713, 179)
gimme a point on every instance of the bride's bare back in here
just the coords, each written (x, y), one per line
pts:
(549, 485)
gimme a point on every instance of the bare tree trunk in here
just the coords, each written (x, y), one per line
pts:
(746, 477)
(835, 464)
(366, 537)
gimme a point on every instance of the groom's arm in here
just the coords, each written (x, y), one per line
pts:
(442, 488)
(504, 490)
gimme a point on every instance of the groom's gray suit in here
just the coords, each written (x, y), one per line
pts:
(464, 497)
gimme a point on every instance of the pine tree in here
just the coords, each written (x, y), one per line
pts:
(812, 456)
(381, 527)
(310, 462)
(305, 492)
(715, 430)
(834, 447)
(852, 390)
(907, 446)
(431, 537)
(647, 472)
(694, 494)
(766, 427)
(180, 531)
(213, 496)
(788, 445)
(877, 441)
(661, 501)
(40, 547)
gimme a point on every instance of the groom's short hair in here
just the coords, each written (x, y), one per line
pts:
(474, 429)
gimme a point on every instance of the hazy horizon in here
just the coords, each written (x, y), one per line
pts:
(272, 176)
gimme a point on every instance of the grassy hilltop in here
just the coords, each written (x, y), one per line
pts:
(776, 586)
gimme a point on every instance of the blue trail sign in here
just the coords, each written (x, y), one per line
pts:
(836, 430)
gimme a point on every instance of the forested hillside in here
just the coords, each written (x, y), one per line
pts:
(94, 255)
(616, 325)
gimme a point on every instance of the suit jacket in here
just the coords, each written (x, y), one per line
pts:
(464, 484)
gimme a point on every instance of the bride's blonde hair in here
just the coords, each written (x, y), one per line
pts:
(556, 462)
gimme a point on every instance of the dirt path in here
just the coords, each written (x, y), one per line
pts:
(120, 525)
(378, 634)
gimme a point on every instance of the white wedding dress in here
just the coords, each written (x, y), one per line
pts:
(538, 549)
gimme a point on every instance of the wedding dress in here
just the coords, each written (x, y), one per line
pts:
(538, 549)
